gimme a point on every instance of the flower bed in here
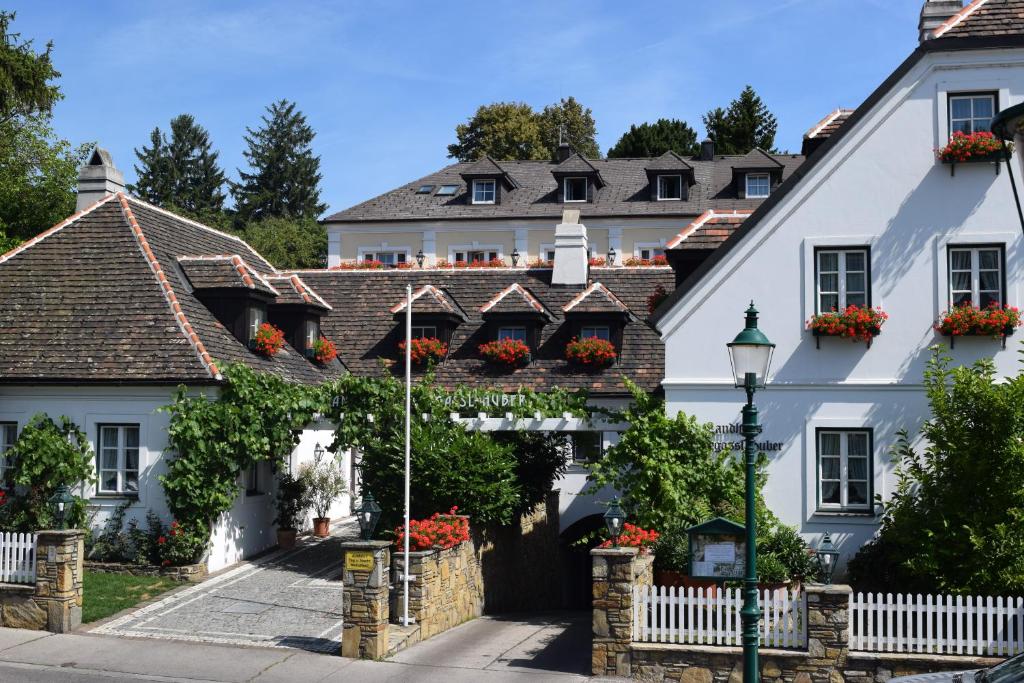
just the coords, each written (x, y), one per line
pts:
(425, 349)
(590, 352)
(854, 323)
(324, 350)
(510, 353)
(268, 340)
(635, 261)
(967, 320)
(980, 146)
(438, 531)
(633, 536)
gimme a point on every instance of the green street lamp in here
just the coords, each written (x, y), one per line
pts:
(60, 504)
(827, 553)
(751, 355)
(614, 518)
(367, 514)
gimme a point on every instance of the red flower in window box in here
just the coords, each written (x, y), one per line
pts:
(596, 261)
(360, 265)
(657, 296)
(425, 349)
(324, 350)
(508, 352)
(438, 531)
(635, 261)
(540, 263)
(963, 147)
(855, 323)
(968, 320)
(268, 340)
(592, 352)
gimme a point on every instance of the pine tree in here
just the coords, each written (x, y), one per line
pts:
(654, 139)
(746, 124)
(284, 181)
(152, 183)
(25, 75)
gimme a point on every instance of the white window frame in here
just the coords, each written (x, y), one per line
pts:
(975, 251)
(455, 249)
(679, 179)
(594, 329)
(8, 435)
(639, 247)
(504, 329)
(565, 189)
(479, 186)
(951, 97)
(768, 185)
(841, 275)
(373, 253)
(954, 85)
(257, 316)
(121, 453)
(844, 470)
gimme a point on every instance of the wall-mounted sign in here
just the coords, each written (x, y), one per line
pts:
(717, 550)
(358, 561)
(484, 399)
(726, 440)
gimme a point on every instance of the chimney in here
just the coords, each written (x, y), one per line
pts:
(571, 253)
(563, 152)
(707, 150)
(933, 14)
(97, 179)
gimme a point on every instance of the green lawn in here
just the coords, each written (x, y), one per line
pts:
(106, 594)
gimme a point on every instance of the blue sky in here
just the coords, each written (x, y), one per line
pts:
(384, 84)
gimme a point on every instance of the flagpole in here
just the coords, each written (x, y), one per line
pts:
(408, 412)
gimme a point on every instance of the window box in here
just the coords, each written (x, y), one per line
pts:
(324, 350)
(974, 148)
(968, 320)
(268, 340)
(425, 350)
(854, 323)
(509, 353)
(591, 351)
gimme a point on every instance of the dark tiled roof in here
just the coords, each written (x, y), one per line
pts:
(430, 299)
(757, 159)
(515, 299)
(483, 166)
(575, 164)
(595, 299)
(830, 124)
(709, 231)
(985, 18)
(626, 192)
(228, 271)
(100, 297)
(669, 161)
(365, 330)
(292, 290)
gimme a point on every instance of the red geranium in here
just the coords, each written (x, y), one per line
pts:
(657, 296)
(597, 261)
(324, 350)
(854, 322)
(591, 351)
(964, 320)
(964, 147)
(438, 531)
(425, 349)
(633, 536)
(269, 339)
(634, 261)
(508, 352)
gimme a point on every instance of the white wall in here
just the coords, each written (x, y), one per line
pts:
(880, 187)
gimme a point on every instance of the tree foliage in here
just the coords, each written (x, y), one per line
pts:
(284, 180)
(288, 243)
(745, 124)
(654, 139)
(25, 76)
(954, 523)
(568, 121)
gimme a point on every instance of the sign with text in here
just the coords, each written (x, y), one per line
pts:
(358, 561)
(717, 550)
(483, 400)
(725, 441)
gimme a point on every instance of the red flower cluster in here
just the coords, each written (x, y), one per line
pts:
(657, 296)
(3, 497)
(591, 351)
(963, 147)
(360, 265)
(324, 350)
(597, 261)
(540, 263)
(994, 320)
(439, 531)
(633, 536)
(161, 540)
(269, 339)
(508, 352)
(477, 263)
(635, 261)
(854, 323)
(425, 349)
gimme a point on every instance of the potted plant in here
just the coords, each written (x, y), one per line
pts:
(590, 352)
(324, 483)
(291, 507)
(510, 353)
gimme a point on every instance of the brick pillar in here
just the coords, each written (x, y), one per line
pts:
(365, 598)
(616, 571)
(828, 635)
(59, 570)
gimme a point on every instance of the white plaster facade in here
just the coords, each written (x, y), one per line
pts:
(880, 187)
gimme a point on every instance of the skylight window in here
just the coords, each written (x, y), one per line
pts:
(425, 189)
(446, 190)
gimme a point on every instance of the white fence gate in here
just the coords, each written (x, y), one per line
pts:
(943, 624)
(709, 616)
(17, 558)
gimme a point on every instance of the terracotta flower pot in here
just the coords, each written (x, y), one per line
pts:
(322, 527)
(286, 538)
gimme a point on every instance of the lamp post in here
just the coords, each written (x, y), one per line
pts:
(367, 514)
(751, 355)
(614, 518)
(827, 553)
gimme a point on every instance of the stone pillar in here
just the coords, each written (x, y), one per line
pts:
(59, 570)
(365, 599)
(828, 635)
(616, 571)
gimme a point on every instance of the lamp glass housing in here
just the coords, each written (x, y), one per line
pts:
(827, 554)
(367, 514)
(611, 256)
(515, 257)
(614, 517)
(750, 352)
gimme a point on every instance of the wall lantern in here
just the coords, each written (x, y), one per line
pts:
(614, 518)
(515, 257)
(611, 255)
(368, 514)
(420, 258)
(318, 453)
(827, 554)
(60, 504)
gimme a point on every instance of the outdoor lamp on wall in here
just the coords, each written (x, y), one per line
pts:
(515, 257)
(827, 554)
(611, 256)
(318, 453)
(420, 258)
(614, 518)
(60, 504)
(367, 514)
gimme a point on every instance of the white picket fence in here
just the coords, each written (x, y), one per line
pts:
(942, 624)
(17, 558)
(703, 616)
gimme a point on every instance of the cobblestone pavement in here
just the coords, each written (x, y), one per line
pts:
(289, 599)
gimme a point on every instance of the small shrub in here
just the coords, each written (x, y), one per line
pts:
(182, 545)
(324, 483)
(292, 501)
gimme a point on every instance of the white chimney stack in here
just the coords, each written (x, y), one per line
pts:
(97, 179)
(933, 14)
(571, 251)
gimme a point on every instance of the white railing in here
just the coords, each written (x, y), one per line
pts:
(942, 624)
(709, 616)
(17, 558)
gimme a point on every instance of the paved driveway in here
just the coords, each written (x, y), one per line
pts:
(290, 599)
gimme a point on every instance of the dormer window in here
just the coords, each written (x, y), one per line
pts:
(513, 332)
(575, 189)
(484, 191)
(599, 331)
(312, 332)
(758, 185)
(257, 316)
(424, 332)
(670, 187)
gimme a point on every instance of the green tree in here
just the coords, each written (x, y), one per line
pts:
(25, 75)
(746, 124)
(654, 139)
(284, 181)
(569, 121)
(503, 130)
(288, 243)
(181, 173)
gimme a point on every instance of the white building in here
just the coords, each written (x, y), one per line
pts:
(872, 217)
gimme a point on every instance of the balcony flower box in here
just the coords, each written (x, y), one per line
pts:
(425, 350)
(268, 340)
(855, 323)
(980, 147)
(967, 320)
(590, 352)
(637, 262)
(508, 353)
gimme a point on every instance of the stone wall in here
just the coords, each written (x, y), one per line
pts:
(54, 603)
(193, 573)
(365, 599)
(615, 572)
